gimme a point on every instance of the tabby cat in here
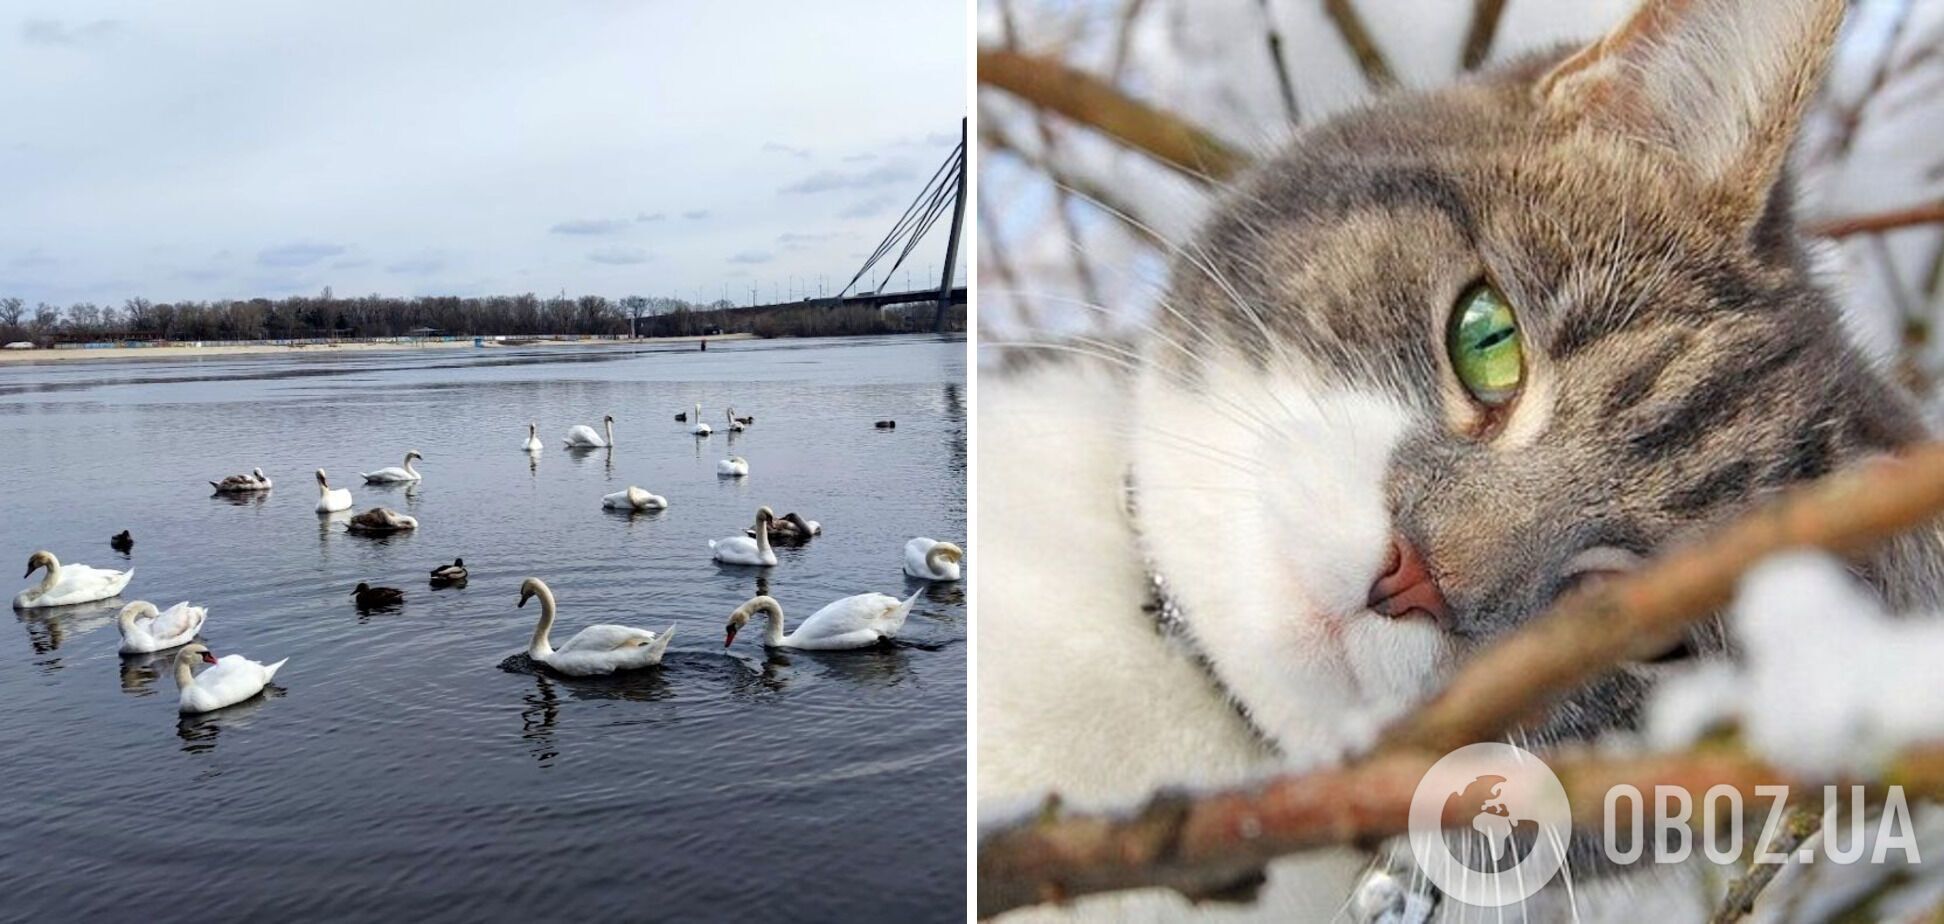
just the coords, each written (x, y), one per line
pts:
(1438, 362)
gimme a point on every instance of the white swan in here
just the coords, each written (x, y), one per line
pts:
(394, 474)
(853, 622)
(64, 585)
(634, 499)
(583, 436)
(594, 650)
(329, 499)
(734, 466)
(743, 550)
(227, 682)
(932, 560)
(532, 443)
(381, 520)
(144, 630)
(700, 428)
(242, 484)
(735, 426)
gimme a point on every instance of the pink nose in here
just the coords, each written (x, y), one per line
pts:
(1407, 585)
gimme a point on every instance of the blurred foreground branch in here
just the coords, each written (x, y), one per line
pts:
(1090, 101)
(1879, 221)
(1201, 844)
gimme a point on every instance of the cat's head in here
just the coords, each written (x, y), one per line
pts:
(1449, 355)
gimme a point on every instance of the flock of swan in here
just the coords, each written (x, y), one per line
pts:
(857, 621)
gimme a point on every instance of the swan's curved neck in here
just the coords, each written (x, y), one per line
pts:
(608, 425)
(50, 576)
(323, 487)
(408, 465)
(540, 647)
(939, 555)
(773, 633)
(185, 670)
(762, 538)
(128, 614)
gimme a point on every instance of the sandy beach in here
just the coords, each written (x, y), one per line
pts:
(207, 350)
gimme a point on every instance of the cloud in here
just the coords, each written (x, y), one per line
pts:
(352, 263)
(696, 215)
(644, 216)
(299, 254)
(32, 258)
(200, 275)
(619, 256)
(799, 237)
(876, 205)
(859, 158)
(589, 226)
(753, 256)
(826, 180)
(417, 266)
(56, 32)
(778, 147)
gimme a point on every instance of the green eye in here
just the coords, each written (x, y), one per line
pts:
(1486, 348)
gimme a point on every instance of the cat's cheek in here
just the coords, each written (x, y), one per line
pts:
(1396, 663)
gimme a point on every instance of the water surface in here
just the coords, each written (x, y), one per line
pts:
(409, 762)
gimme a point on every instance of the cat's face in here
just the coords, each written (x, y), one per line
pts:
(1535, 328)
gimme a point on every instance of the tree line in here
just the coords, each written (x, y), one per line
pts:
(325, 316)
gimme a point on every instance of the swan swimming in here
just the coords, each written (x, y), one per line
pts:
(700, 428)
(381, 520)
(329, 499)
(634, 499)
(394, 474)
(583, 436)
(735, 426)
(734, 467)
(743, 550)
(791, 527)
(242, 484)
(143, 629)
(225, 683)
(532, 443)
(65, 585)
(932, 560)
(600, 649)
(854, 622)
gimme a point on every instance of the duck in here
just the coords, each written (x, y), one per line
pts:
(886, 425)
(394, 475)
(745, 421)
(595, 650)
(121, 541)
(735, 426)
(381, 520)
(225, 682)
(533, 443)
(454, 573)
(932, 560)
(329, 499)
(369, 596)
(66, 585)
(854, 622)
(792, 527)
(744, 550)
(243, 484)
(681, 417)
(582, 436)
(144, 629)
(734, 467)
(634, 499)
(700, 428)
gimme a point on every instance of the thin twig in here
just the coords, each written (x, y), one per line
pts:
(1094, 103)
(1878, 221)
(1350, 25)
(1798, 824)
(1479, 36)
(1284, 83)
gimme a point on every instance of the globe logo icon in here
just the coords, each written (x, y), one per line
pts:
(1489, 824)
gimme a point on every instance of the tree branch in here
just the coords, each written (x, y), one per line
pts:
(1199, 844)
(1479, 36)
(1878, 221)
(1092, 102)
(1376, 71)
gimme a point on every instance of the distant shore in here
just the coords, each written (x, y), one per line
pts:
(212, 349)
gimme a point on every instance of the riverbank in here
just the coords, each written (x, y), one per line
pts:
(218, 350)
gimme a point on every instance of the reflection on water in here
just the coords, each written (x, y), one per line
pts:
(396, 769)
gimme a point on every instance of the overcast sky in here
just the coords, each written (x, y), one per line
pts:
(209, 150)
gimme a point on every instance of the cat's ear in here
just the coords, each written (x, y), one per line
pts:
(1721, 84)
